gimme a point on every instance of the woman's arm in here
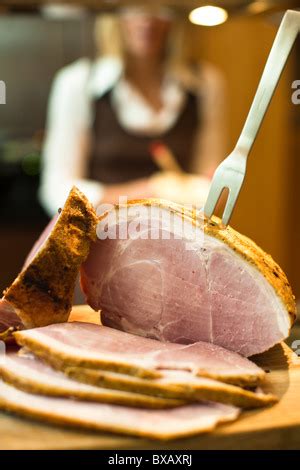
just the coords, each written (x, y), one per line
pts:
(211, 141)
(65, 154)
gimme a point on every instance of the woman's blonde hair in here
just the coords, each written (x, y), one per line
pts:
(109, 42)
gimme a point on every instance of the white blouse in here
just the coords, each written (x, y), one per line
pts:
(65, 161)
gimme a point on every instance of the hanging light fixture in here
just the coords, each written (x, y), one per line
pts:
(208, 15)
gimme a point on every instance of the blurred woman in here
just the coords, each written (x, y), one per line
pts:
(105, 115)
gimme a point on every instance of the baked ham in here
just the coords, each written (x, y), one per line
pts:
(209, 297)
(174, 388)
(101, 347)
(28, 373)
(175, 384)
(43, 291)
(156, 424)
(213, 285)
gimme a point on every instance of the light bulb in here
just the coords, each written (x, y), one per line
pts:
(208, 16)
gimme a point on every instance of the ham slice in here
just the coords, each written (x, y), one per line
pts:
(97, 346)
(155, 424)
(43, 291)
(174, 388)
(31, 375)
(175, 384)
(211, 284)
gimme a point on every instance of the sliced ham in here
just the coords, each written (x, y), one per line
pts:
(31, 375)
(176, 384)
(155, 424)
(97, 346)
(28, 373)
(211, 285)
(43, 291)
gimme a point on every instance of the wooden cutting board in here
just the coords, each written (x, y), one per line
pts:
(277, 427)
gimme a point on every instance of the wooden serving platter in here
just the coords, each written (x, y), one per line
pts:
(277, 427)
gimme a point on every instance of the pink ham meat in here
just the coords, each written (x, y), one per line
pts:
(215, 286)
(41, 240)
(155, 424)
(9, 320)
(96, 346)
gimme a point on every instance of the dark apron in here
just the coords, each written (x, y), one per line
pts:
(119, 155)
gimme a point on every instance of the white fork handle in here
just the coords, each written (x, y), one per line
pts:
(283, 43)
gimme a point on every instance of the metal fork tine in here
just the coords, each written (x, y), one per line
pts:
(235, 180)
(213, 197)
(231, 200)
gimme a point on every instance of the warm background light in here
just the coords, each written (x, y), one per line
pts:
(208, 16)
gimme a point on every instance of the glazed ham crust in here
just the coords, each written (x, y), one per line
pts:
(43, 291)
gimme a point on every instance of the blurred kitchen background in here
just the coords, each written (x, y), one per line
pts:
(35, 44)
